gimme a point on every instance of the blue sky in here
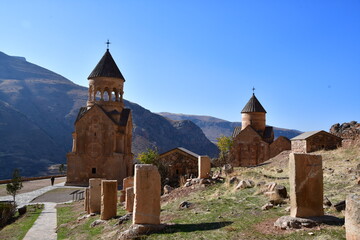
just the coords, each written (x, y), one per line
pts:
(204, 57)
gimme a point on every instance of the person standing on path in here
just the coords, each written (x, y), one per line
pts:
(52, 181)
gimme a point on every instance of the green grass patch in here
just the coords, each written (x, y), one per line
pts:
(22, 224)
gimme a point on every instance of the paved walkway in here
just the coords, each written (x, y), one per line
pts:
(45, 226)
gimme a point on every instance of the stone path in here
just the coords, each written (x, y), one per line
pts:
(45, 226)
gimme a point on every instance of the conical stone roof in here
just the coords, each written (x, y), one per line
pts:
(106, 68)
(253, 105)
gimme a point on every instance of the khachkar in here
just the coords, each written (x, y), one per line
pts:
(103, 129)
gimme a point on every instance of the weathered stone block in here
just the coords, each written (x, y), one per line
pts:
(204, 164)
(95, 195)
(147, 190)
(129, 199)
(108, 199)
(127, 182)
(352, 217)
(86, 201)
(306, 185)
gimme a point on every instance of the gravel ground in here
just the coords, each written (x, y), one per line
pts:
(30, 186)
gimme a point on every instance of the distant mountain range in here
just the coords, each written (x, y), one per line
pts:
(37, 112)
(215, 127)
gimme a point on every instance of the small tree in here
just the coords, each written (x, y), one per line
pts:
(224, 144)
(15, 185)
(150, 156)
(61, 168)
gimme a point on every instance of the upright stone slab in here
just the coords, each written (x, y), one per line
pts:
(127, 182)
(147, 190)
(108, 199)
(95, 195)
(129, 199)
(204, 165)
(306, 185)
(86, 201)
(352, 217)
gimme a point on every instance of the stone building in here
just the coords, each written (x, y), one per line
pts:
(253, 142)
(313, 141)
(179, 162)
(103, 129)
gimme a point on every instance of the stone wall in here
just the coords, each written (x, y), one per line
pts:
(322, 141)
(298, 146)
(179, 164)
(279, 145)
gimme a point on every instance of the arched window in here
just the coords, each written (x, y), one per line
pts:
(113, 95)
(98, 96)
(106, 96)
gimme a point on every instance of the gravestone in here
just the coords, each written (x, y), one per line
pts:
(147, 190)
(127, 182)
(108, 199)
(204, 165)
(95, 195)
(352, 217)
(86, 201)
(306, 185)
(129, 199)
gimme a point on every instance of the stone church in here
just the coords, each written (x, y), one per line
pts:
(253, 142)
(103, 129)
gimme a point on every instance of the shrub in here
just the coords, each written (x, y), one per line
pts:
(7, 211)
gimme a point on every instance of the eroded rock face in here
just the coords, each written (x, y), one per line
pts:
(306, 185)
(147, 190)
(352, 217)
(349, 132)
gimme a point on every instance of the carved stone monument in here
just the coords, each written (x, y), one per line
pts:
(129, 199)
(352, 217)
(306, 185)
(204, 166)
(108, 199)
(95, 195)
(127, 182)
(147, 190)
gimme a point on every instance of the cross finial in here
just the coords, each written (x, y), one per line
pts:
(253, 90)
(107, 44)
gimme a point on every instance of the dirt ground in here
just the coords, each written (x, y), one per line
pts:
(29, 186)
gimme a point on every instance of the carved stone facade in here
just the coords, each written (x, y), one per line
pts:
(179, 162)
(314, 141)
(103, 130)
(253, 142)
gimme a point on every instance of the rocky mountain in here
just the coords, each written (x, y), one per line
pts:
(37, 111)
(215, 127)
(349, 132)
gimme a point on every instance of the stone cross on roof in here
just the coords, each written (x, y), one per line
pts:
(107, 44)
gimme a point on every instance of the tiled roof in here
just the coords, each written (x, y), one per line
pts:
(106, 68)
(253, 105)
(306, 135)
(236, 131)
(123, 118)
(183, 150)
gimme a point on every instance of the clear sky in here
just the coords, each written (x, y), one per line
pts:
(203, 57)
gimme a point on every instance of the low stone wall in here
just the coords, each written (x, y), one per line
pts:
(24, 179)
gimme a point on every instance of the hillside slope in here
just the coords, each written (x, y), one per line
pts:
(215, 127)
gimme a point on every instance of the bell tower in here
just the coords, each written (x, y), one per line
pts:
(254, 114)
(106, 84)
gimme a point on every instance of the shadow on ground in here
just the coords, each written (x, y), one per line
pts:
(194, 227)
